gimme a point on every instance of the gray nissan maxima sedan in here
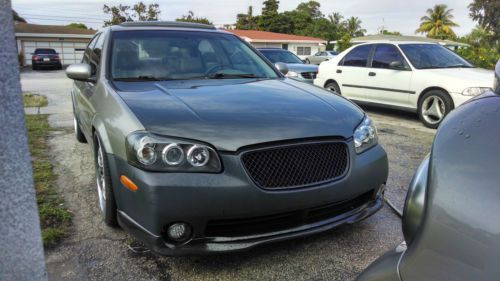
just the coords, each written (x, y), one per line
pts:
(450, 219)
(202, 146)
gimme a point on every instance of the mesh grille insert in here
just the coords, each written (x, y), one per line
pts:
(297, 165)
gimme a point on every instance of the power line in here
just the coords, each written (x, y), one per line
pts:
(56, 11)
(56, 16)
(62, 20)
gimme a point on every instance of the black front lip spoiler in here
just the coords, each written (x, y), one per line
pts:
(218, 245)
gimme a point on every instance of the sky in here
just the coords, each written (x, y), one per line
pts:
(393, 15)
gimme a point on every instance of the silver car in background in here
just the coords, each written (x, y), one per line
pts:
(297, 69)
(320, 57)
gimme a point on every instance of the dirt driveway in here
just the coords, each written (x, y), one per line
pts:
(96, 252)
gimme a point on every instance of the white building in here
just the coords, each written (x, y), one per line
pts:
(69, 42)
(302, 46)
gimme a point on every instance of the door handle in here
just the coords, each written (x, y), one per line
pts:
(339, 71)
(372, 73)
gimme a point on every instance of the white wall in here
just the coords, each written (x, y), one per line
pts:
(293, 47)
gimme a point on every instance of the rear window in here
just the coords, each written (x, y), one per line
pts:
(358, 56)
(45, 51)
(280, 56)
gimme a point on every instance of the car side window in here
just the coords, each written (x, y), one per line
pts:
(385, 54)
(87, 56)
(358, 56)
(97, 49)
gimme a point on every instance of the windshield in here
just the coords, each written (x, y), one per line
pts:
(179, 55)
(426, 56)
(333, 53)
(280, 56)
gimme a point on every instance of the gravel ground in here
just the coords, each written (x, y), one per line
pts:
(96, 252)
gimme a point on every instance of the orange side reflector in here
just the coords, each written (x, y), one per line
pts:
(128, 183)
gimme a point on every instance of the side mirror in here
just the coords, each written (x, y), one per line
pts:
(283, 68)
(80, 72)
(397, 65)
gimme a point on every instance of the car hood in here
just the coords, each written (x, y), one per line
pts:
(473, 77)
(233, 113)
(300, 67)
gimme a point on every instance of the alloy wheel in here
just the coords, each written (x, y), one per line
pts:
(433, 109)
(101, 177)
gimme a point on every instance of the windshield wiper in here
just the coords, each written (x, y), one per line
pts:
(222, 75)
(459, 66)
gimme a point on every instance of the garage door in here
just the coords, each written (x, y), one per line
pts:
(70, 52)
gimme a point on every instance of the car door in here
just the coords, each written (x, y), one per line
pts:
(352, 72)
(92, 57)
(385, 83)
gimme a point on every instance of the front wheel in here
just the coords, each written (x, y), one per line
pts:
(105, 194)
(433, 108)
(334, 88)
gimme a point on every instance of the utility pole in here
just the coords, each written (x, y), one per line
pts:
(21, 250)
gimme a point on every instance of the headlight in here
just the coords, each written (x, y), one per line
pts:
(365, 135)
(413, 212)
(156, 153)
(475, 91)
(292, 74)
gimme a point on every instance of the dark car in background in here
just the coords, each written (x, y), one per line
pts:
(45, 58)
(450, 220)
(201, 145)
(297, 69)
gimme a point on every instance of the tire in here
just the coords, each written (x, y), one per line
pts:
(107, 203)
(433, 106)
(33, 67)
(308, 61)
(80, 137)
(333, 87)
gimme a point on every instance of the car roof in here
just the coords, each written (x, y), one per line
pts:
(165, 25)
(394, 42)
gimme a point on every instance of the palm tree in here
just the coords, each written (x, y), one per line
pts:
(438, 23)
(353, 27)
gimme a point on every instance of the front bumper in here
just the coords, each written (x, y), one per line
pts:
(200, 199)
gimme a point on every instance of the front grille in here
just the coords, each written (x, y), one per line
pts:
(272, 223)
(309, 75)
(297, 165)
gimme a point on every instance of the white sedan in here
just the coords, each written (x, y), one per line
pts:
(425, 78)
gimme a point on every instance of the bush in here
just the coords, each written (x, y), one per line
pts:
(480, 56)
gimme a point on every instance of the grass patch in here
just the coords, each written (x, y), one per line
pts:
(55, 219)
(34, 100)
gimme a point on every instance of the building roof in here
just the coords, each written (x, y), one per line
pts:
(32, 29)
(379, 37)
(266, 36)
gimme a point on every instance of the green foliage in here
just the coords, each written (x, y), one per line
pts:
(55, 219)
(344, 42)
(34, 100)
(387, 32)
(482, 51)
(487, 14)
(191, 18)
(307, 19)
(438, 23)
(125, 13)
(78, 25)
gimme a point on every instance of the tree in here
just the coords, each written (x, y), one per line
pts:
(191, 18)
(140, 12)
(387, 32)
(438, 23)
(353, 27)
(119, 14)
(17, 17)
(246, 21)
(270, 19)
(78, 25)
(146, 13)
(487, 13)
(344, 42)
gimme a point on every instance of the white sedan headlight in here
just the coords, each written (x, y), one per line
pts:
(365, 135)
(292, 74)
(474, 91)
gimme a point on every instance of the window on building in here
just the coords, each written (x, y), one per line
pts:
(303, 51)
